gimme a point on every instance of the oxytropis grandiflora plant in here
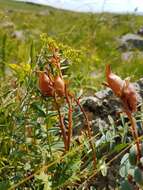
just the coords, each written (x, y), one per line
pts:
(129, 98)
(52, 84)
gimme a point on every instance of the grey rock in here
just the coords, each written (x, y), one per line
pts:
(9, 10)
(43, 13)
(8, 24)
(127, 56)
(19, 34)
(131, 42)
(140, 31)
(130, 55)
(105, 104)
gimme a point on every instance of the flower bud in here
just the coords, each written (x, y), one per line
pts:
(45, 84)
(59, 86)
(114, 81)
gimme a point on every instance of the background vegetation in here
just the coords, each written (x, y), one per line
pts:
(96, 33)
(31, 148)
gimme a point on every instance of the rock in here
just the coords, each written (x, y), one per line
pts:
(8, 24)
(129, 55)
(10, 11)
(131, 42)
(105, 104)
(43, 13)
(19, 34)
(140, 31)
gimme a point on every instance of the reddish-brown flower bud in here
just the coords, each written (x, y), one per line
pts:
(130, 96)
(45, 84)
(114, 81)
(123, 89)
(59, 86)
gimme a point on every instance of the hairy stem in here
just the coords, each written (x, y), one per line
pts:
(134, 133)
(62, 126)
(69, 117)
(88, 130)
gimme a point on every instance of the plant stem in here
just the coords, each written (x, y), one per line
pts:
(88, 130)
(134, 133)
(62, 126)
(69, 117)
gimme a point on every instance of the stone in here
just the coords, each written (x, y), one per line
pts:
(43, 13)
(140, 31)
(19, 34)
(8, 24)
(105, 104)
(127, 56)
(131, 42)
(130, 55)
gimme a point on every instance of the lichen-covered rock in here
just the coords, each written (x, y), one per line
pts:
(105, 103)
(18, 34)
(131, 42)
(8, 25)
(131, 55)
(140, 31)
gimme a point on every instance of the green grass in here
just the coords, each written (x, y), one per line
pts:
(95, 32)
(29, 123)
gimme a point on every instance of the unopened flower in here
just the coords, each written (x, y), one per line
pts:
(123, 89)
(45, 84)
